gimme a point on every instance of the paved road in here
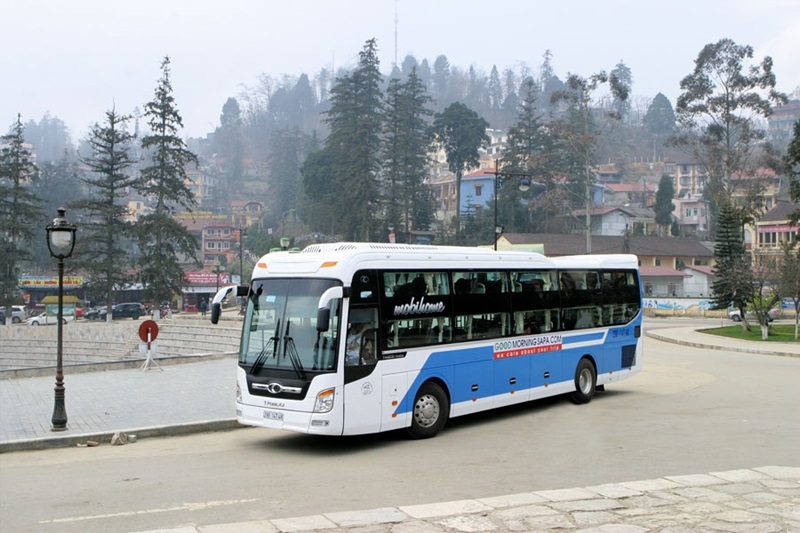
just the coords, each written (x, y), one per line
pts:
(758, 498)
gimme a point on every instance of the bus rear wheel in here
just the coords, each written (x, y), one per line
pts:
(430, 413)
(585, 382)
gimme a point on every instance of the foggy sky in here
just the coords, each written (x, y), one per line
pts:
(77, 59)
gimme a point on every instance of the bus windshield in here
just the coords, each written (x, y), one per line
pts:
(280, 328)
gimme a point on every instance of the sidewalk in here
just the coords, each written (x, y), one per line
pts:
(99, 404)
(758, 499)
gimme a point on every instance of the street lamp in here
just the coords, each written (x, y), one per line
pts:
(61, 243)
(499, 176)
(216, 270)
(241, 244)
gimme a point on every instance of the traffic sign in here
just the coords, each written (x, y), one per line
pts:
(148, 331)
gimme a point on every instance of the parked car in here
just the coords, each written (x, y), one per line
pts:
(95, 314)
(44, 320)
(127, 310)
(736, 316)
(18, 314)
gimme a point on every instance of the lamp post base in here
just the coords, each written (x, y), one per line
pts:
(59, 420)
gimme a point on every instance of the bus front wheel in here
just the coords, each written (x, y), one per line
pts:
(585, 382)
(431, 411)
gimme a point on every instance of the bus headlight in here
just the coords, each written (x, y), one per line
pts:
(324, 401)
(238, 393)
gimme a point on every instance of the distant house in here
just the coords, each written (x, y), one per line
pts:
(616, 220)
(772, 231)
(698, 281)
(693, 215)
(659, 281)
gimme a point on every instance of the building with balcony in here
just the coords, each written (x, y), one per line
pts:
(772, 232)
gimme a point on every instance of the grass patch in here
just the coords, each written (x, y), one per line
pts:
(777, 333)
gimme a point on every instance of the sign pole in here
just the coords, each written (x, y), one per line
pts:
(148, 332)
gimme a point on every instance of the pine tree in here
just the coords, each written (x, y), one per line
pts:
(355, 143)
(664, 206)
(164, 242)
(526, 152)
(103, 256)
(733, 283)
(17, 204)
(59, 185)
(409, 203)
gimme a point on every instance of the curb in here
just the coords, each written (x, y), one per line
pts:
(760, 351)
(104, 437)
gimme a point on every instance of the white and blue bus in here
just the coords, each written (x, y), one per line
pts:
(353, 338)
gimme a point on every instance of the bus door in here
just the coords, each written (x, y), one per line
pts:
(362, 385)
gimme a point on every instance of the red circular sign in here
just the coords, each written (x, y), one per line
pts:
(148, 326)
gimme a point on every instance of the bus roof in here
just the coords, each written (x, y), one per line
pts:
(597, 261)
(341, 260)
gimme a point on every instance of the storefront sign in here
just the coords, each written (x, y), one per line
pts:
(207, 278)
(49, 282)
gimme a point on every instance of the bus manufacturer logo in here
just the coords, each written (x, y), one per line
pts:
(276, 388)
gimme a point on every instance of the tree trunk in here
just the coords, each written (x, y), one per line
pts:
(764, 331)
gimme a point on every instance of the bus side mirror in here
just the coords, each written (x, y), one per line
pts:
(323, 319)
(216, 311)
(216, 302)
(324, 307)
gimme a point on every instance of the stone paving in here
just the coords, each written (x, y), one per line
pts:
(760, 500)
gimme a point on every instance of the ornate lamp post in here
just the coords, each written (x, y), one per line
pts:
(61, 243)
(499, 176)
(216, 270)
(242, 233)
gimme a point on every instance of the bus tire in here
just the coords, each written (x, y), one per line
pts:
(585, 382)
(430, 411)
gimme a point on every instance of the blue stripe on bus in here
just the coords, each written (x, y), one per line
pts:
(584, 338)
(462, 370)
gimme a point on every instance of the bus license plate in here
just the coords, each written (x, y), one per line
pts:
(273, 415)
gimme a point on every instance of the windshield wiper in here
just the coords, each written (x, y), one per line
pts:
(262, 355)
(290, 348)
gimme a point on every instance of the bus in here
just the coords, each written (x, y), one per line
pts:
(355, 338)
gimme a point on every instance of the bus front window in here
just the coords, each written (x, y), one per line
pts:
(280, 328)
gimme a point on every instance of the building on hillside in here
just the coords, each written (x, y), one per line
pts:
(772, 232)
(781, 122)
(608, 174)
(693, 216)
(219, 243)
(639, 194)
(497, 143)
(615, 220)
(137, 209)
(688, 178)
(765, 183)
(202, 185)
(246, 212)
